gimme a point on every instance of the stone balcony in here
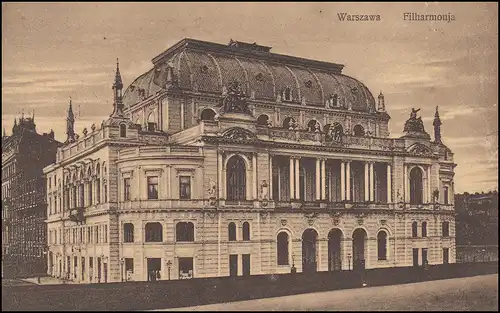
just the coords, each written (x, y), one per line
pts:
(164, 204)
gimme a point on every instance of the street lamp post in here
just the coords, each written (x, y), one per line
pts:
(121, 266)
(169, 264)
(294, 269)
(349, 261)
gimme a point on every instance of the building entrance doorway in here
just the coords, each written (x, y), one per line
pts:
(359, 238)
(154, 269)
(185, 268)
(415, 256)
(334, 250)
(245, 260)
(233, 265)
(309, 249)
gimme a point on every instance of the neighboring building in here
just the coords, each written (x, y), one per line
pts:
(477, 218)
(24, 155)
(232, 160)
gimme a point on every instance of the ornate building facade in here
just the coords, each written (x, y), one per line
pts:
(24, 155)
(227, 160)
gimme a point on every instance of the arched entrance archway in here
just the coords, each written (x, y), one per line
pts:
(309, 250)
(335, 250)
(359, 238)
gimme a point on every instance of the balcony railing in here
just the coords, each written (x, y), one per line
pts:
(163, 204)
(372, 143)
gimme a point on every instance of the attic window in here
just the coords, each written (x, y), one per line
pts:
(287, 94)
(308, 84)
(204, 69)
(259, 77)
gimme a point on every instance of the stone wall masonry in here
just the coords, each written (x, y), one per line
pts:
(114, 248)
(174, 114)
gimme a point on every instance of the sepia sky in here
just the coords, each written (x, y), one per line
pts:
(53, 51)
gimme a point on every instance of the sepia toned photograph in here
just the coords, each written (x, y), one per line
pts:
(260, 156)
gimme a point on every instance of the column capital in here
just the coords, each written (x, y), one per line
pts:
(346, 161)
(294, 157)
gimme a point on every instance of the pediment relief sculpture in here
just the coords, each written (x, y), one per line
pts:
(239, 134)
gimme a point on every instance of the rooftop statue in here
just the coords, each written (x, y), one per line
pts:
(414, 124)
(234, 100)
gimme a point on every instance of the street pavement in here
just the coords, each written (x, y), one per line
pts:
(477, 293)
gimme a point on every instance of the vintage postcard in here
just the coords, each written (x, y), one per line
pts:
(250, 156)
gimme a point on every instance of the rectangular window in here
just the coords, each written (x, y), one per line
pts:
(89, 192)
(126, 189)
(105, 233)
(153, 187)
(445, 195)
(98, 191)
(97, 234)
(184, 187)
(446, 255)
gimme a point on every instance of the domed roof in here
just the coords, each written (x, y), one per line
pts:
(207, 67)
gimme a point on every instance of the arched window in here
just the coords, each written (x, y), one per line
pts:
(311, 126)
(207, 115)
(263, 120)
(282, 248)
(446, 229)
(89, 187)
(382, 245)
(424, 229)
(128, 232)
(151, 122)
(416, 186)
(288, 123)
(184, 231)
(335, 100)
(359, 131)
(414, 229)
(231, 231)
(154, 232)
(236, 179)
(246, 231)
(123, 130)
